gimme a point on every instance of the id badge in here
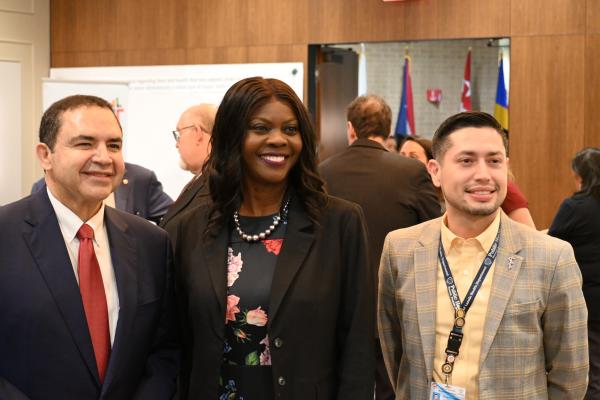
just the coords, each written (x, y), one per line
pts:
(440, 391)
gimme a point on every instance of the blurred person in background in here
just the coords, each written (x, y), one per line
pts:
(578, 222)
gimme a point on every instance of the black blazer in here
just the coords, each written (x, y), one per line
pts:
(191, 197)
(139, 193)
(394, 191)
(321, 306)
(578, 222)
(45, 348)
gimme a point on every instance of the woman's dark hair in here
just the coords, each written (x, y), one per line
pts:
(423, 142)
(224, 167)
(586, 164)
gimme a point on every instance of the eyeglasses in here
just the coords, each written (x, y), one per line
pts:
(177, 132)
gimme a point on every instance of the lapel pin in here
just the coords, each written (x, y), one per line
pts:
(511, 262)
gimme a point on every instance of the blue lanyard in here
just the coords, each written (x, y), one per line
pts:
(461, 308)
(477, 282)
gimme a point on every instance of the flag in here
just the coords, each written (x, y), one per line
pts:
(465, 99)
(362, 70)
(405, 124)
(501, 107)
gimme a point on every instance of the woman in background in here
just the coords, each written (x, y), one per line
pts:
(578, 222)
(275, 295)
(418, 148)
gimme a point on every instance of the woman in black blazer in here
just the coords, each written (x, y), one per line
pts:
(275, 297)
(578, 222)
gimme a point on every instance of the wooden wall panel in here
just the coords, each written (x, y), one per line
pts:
(217, 23)
(82, 26)
(593, 16)
(340, 21)
(84, 59)
(547, 17)
(592, 91)
(546, 118)
(149, 24)
(276, 22)
(334, 21)
(122, 57)
(355, 21)
(456, 19)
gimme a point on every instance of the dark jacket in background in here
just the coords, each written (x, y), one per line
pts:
(394, 191)
(191, 197)
(578, 222)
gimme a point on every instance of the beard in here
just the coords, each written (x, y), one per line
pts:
(480, 209)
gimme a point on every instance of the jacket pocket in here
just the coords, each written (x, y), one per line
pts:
(521, 308)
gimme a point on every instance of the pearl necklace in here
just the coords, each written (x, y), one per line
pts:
(281, 216)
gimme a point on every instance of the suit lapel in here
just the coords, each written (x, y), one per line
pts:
(124, 259)
(214, 252)
(426, 262)
(299, 237)
(47, 245)
(185, 198)
(122, 194)
(506, 270)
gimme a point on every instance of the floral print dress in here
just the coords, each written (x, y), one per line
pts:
(246, 370)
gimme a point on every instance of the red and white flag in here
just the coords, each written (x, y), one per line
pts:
(465, 99)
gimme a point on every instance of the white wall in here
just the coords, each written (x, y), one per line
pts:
(25, 55)
(436, 64)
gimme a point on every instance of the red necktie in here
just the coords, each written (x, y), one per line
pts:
(93, 297)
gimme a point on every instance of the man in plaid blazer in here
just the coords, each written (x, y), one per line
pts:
(525, 336)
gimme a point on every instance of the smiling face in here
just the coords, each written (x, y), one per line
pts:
(272, 146)
(86, 163)
(472, 173)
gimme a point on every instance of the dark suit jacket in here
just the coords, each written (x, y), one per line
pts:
(140, 193)
(191, 197)
(45, 347)
(393, 191)
(321, 306)
(578, 222)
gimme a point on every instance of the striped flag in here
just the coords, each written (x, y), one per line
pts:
(362, 70)
(405, 124)
(465, 99)
(501, 107)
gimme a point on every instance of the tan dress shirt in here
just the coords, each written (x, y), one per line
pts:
(464, 256)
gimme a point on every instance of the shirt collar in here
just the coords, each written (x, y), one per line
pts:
(69, 221)
(484, 239)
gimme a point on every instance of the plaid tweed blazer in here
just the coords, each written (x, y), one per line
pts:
(535, 335)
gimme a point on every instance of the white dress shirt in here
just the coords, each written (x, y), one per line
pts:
(69, 224)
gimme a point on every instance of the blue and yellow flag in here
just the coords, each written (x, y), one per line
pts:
(501, 107)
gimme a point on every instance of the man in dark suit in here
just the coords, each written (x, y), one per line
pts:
(393, 191)
(86, 302)
(192, 138)
(139, 193)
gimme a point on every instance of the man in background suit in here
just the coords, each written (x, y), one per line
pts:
(474, 299)
(139, 193)
(86, 301)
(394, 192)
(192, 138)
